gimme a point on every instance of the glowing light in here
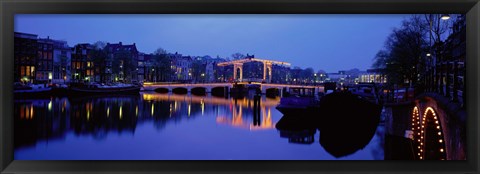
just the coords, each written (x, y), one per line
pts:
(108, 111)
(120, 114)
(440, 141)
(50, 105)
(31, 111)
(153, 108)
(420, 157)
(439, 133)
(441, 150)
(136, 111)
(189, 109)
(438, 127)
(203, 107)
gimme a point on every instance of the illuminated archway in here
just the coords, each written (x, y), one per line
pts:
(428, 136)
(240, 74)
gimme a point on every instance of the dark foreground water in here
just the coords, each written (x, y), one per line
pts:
(154, 126)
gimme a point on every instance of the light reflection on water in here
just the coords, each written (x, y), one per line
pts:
(158, 126)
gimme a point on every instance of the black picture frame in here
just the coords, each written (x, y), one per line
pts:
(9, 8)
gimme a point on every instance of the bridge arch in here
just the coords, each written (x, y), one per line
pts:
(162, 90)
(433, 141)
(218, 91)
(199, 90)
(272, 91)
(428, 135)
(180, 90)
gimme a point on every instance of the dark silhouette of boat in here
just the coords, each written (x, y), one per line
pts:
(348, 123)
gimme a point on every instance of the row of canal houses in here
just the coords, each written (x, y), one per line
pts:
(45, 60)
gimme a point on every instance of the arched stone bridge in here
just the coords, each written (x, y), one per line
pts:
(438, 128)
(209, 86)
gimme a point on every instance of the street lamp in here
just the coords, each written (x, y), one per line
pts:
(432, 59)
(445, 17)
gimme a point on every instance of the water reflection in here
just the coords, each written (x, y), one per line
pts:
(169, 126)
(346, 124)
(98, 116)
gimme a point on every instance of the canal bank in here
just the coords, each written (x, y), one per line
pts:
(397, 120)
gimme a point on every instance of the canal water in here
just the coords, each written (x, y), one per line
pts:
(154, 126)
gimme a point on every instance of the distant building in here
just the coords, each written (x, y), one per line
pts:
(148, 68)
(25, 55)
(344, 77)
(336, 77)
(280, 74)
(181, 66)
(373, 76)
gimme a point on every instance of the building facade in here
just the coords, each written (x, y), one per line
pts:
(44, 61)
(141, 67)
(25, 55)
(181, 66)
(62, 57)
(82, 63)
(121, 62)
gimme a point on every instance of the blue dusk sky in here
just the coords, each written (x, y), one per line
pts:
(322, 42)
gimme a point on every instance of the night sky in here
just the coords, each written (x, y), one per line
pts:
(322, 42)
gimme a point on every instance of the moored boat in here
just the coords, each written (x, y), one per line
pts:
(366, 91)
(98, 89)
(31, 91)
(299, 101)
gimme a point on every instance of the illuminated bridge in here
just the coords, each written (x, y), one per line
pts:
(438, 129)
(208, 87)
(267, 67)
